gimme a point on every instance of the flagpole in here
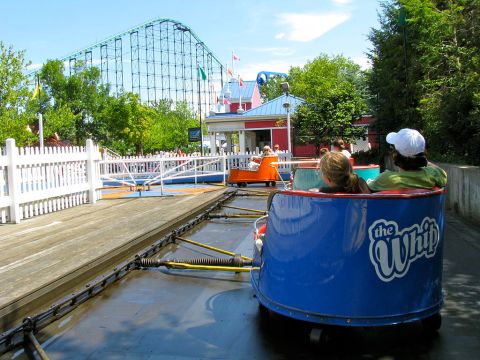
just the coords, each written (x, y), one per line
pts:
(227, 92)
(200, 109)
(40, 118)
(239, 94)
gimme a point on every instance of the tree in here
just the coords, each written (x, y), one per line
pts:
(332, 88)
(81, 92)
(271, 89)
(329, 117)
(426, 73)
(60, 121)
(170, 126)
(14, 95)
(129, 121)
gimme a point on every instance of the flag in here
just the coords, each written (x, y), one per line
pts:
(235, 57)
(226, 101)
(201, 73)
(229, 72)
(240, 82)
(36, 92)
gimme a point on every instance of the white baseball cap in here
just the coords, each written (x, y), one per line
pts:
(408, 142)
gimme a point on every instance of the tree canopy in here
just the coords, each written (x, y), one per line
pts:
(78, 107)
(14, 97)
(334, 91)
(426, 73)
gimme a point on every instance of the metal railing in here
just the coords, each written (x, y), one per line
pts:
(156, 170)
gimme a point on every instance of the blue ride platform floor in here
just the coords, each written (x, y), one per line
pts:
(124, 192)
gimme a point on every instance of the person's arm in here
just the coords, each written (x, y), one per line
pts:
(382, 182)
(441, 177)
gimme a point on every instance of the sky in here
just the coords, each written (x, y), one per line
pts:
(267, 35)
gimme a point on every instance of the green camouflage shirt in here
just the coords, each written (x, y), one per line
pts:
(426, 178)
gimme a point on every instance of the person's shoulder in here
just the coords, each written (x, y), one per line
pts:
(386, 180)
(437, 173)
(386, 174)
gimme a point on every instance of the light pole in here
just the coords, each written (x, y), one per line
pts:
(286, 105)
(38, 90)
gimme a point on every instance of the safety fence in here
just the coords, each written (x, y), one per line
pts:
(36, 181)
(158, 169)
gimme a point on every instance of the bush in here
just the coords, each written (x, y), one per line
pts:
(367, 157)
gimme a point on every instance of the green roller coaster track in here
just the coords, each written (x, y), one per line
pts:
(156, 60)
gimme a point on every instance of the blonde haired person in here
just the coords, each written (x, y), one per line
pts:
(267, 151)
(256, 160)
(338, 175)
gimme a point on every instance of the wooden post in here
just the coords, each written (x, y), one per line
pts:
(14, 191)
(91, 172)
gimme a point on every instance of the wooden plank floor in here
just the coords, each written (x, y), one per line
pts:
(47, 257)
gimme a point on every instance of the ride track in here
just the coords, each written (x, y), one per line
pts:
(170, 313)
(24, 334)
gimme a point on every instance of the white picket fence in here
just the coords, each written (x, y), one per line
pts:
(35, 182)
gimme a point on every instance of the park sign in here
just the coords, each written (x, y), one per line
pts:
(194, 134)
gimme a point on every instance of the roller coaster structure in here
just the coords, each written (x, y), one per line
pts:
(156, 60)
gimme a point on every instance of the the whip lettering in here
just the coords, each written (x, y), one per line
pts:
(393, 250)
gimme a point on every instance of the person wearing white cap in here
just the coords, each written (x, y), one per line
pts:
(408, 147)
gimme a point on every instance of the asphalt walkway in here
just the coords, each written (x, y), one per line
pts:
(47, 257)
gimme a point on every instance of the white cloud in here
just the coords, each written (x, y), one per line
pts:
(363, 61)
(280, 36)
(308, 27)
(342, 2)
(33, 67)
(275, 51)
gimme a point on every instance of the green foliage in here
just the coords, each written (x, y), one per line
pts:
(426, 74)
(272, 88)
(14, 95)
(368, 157)
(332, 88)
(81, 93)
(170, 126)
(78, 107)
(60, 121)
(129, 122)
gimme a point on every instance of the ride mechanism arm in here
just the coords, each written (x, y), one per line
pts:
(236, 263)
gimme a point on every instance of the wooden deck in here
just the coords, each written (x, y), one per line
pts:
(47, 257)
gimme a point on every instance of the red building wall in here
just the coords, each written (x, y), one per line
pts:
(262, 124)
(279, 136)
(245, 106)
(306, 150)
